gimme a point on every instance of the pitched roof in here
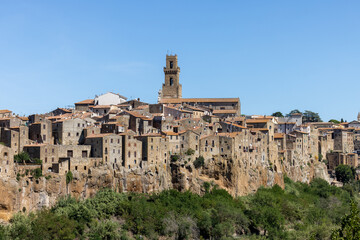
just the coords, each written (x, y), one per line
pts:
(279, 135)
(194, 100)
(5, 111)
(258, 120)
(224, 111)
(101, 106)
(100, 135)
(87, 101)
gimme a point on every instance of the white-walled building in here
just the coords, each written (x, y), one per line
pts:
(109, 98)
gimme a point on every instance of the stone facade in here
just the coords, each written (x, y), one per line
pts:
(172, 87)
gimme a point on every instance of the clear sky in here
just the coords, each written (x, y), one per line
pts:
(273, 55)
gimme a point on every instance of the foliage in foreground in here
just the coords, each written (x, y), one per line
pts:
(300, 211)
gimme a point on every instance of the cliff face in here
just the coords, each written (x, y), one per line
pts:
(237, 177)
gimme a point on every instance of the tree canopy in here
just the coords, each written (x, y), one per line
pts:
(277, 114)
(344, 173)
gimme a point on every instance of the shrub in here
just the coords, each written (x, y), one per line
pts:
(37, 173)
(190, 151)
(344, 173)
(69, 177)
(199, 162)
(174, 158)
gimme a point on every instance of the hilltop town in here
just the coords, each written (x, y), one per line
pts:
(129, 145)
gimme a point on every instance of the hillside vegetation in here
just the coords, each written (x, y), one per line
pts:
(300, 211)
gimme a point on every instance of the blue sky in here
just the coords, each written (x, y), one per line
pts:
(273, 55)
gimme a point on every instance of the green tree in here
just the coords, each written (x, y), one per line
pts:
(350, 226)
(344, 173)
(48, 225)
(293, 112)
(334, 121)
(277, 114)
(69, 177)
(309, 116)
(22, 157)
(199, 162)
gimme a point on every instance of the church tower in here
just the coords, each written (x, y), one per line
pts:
(171, 88)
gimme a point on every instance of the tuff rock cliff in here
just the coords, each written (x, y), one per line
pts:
(237, 177)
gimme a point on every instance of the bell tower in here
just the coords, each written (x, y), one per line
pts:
(171, 88)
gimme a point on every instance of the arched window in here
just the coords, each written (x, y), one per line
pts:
(171, 81)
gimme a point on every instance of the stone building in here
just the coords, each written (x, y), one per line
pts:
(107, 146)
(41, 131)
(172, 87)
(78, 155)
(336, 158)
(47, 153)
(172, 93)
(15, 138)
(6, 162)
(69, 131)
(155, 152)
(84, 105)
(131, 150)
(5, 113)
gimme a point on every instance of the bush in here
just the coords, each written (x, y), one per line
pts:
(199, 162)
(69, 177)
(174, 158)
(344, 173)
(190, 151)
(22, 157)
(36, 173)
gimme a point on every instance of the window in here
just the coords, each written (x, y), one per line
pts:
(134, 144)
(129, 154)
(52, 159)
(70, 153)
(152, 148)
(84, 154)
(171, 81)
(78, 124)
(106, 152)
(134, 161)
(76, 168)
(129, 144)
(222, 149)
(84, 167)
(111, 140)
(118, 141)
(135, 155)
(52, 150)
(46, 150)
(44, 126)
(5, 154)
(77, 134)
(171, 64)
(46, 160)
(68, 134)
